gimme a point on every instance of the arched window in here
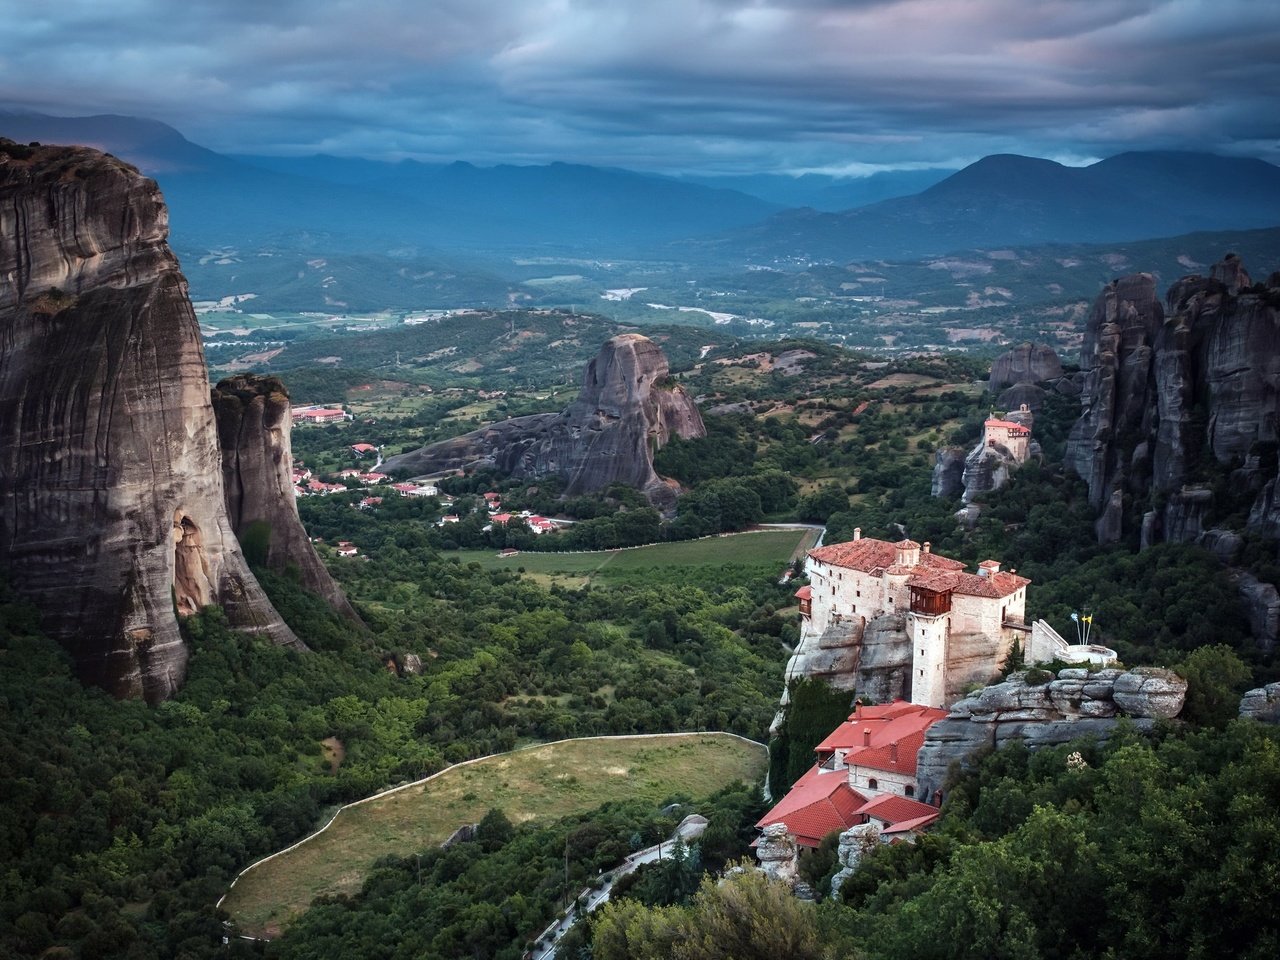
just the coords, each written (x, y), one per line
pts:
(909, 790)
(872, 784)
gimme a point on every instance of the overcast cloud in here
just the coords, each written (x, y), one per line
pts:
(706, 85)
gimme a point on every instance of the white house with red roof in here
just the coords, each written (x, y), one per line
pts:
(1013, 436)
(866, 772)
(878, 747)
(960, 626)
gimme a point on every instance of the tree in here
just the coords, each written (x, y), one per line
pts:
(819, 505)
(745, 916)
(1215, 679)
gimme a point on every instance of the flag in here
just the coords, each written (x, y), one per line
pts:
(1075, 617)
(1087, 618)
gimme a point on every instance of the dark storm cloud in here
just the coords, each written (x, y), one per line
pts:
(664, 84)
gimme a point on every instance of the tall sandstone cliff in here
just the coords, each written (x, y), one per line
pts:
(254, 425)
(1176, 395)
(628, 408)
(112, 517)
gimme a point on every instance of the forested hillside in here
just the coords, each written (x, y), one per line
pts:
(124, 824)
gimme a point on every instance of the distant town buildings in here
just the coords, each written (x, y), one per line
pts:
(319, 415)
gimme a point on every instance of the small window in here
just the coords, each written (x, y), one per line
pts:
(872, 784)
(909, 790)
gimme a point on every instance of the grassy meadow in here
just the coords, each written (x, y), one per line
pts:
(765, 548)
(543, 782)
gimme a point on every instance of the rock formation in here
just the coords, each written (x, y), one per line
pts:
(855, 844)
(776, 850)
(254, 423)
(874, 658)
(948, 472)
(112, 519)
(1173, 393)
(988, 465)
(628, 408)
(1262, 704)
(1261, 602)
(1077, 703)
(1025, 363)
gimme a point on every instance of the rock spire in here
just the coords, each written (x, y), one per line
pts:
(112, 517)
(627, 409)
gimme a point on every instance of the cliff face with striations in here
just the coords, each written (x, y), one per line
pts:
(254, 424)
(111, 503)
(1175, 394)
(627, 410)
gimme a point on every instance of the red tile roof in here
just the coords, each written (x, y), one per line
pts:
(933, 572)
(898, 811)
(804, 593)
(994, 585)
(820, 802)
(870, 735)
(1007, 424)
(908, 826)
(868, 554)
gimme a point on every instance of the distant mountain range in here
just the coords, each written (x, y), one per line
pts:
(826, 192)
(1012, 200)
(333, 205)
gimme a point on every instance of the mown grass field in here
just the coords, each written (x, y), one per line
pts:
(537, 783)
(764, 548)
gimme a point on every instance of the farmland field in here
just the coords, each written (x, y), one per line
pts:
(763, 548)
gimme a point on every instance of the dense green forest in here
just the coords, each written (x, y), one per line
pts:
(123, 824)
(1147, 848)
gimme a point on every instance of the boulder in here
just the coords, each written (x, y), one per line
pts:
(1262, 704)
(855, 844)
(1151, 692)
(1077, 703)
(776, 850)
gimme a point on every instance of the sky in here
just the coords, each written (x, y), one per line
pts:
(692, 86)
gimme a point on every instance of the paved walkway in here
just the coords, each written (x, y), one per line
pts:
(590, 899)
